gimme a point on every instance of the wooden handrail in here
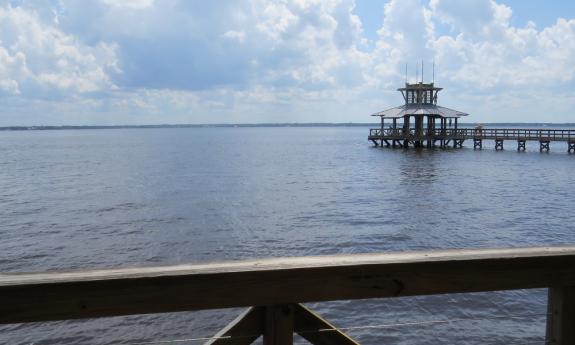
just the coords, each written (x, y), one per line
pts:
(485, 133)
(286, 281)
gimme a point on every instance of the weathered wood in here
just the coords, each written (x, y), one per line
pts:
(417, 134)
(60, 296)
(279, 322)
(317, 330)
(561, 316)
(477, 143)
(247, 327)
(520, 144)
(244, 330)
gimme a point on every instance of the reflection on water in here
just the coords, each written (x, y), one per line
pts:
(111, 198)
(418, 168)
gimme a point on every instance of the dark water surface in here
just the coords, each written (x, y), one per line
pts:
(79, 199)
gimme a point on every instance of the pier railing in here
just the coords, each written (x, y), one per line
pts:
(273, 288)
(473, 133)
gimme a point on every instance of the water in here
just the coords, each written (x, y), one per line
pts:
(79, 199)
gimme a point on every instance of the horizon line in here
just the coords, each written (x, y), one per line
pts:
(263, 124)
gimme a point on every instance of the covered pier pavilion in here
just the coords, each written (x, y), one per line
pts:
(420, 122)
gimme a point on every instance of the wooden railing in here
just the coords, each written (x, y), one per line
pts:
(472, 133)
(277, 286)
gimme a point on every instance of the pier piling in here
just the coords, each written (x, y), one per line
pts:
(521, 144)
(477, 143)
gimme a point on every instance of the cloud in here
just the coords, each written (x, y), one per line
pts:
(473, 18)
(235, 35)
(39, 61)
(183, 45)
(263, 61)
(131, 4)
(514, 57)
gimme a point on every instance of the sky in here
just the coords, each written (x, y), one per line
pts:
(114, 62)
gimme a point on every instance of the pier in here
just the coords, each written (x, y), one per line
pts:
(445, 138)
(273, 289)
(437, 126)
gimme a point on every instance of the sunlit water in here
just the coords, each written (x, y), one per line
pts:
(81, 199)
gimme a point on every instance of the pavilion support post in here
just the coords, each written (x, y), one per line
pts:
(544, 145)
(406, 125)
(561, 316)
(419, 126)
(571, 147)
(429, 133)
(406, 131)
(279, 325)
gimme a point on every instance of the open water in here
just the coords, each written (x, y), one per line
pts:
(79, 199)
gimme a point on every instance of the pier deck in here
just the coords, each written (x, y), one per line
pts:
(400, 137)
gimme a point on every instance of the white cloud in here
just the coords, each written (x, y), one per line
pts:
(300, 60)
(136, 4)
(473, 18)
(515, 57)
(38, 60)
(235, 35)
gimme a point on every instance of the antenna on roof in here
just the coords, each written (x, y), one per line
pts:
(416, 73)
(422, 71)
(406, 73)
(433, 78)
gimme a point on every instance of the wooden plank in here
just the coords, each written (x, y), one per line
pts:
(313, 328)
(279, 322)
(60, 296)
(561, 316)
(244, 330)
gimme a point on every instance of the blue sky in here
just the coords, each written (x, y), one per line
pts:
(86, 62)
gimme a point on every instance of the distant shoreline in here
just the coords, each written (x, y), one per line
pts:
(225, 125)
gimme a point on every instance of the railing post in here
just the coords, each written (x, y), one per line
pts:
(561, 316)
(279, 323)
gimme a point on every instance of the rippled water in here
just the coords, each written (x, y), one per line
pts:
(139, 197)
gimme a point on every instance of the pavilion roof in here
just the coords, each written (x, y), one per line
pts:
(420, 109)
